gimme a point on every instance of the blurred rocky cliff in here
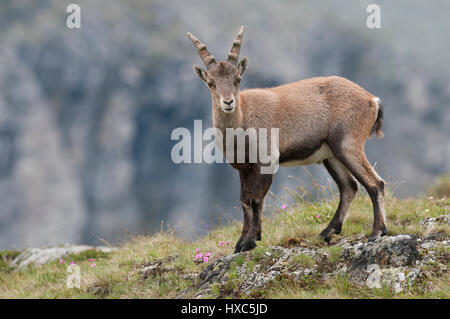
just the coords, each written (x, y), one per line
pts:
(86, 114)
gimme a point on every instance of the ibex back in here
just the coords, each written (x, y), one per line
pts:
(323, 119)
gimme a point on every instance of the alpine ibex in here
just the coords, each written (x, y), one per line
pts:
(322, 119)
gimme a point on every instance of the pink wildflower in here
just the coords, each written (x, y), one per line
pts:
(93, 265)
(220, 243)
(91, 260)
(197, 250)
(226, 243)
(205, 259)
(199, 256)
(72, 263)
(318, 216)
(60, 261)
(208, 254)
(283, 207)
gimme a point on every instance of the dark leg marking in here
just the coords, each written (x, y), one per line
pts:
(254, 188)
(348, 186)
(356, 162)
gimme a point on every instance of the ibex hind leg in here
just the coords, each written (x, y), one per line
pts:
(348, 186)
(356, 162)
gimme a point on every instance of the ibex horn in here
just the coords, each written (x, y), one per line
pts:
(208, 59)
(233, 56)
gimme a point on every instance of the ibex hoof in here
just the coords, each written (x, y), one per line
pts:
(248, 245)
(237, 248)
(374, 237)
(327, 233)
(244, 246)
(377, 234)
(325, 237)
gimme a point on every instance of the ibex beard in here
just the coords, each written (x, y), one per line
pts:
(320, 120)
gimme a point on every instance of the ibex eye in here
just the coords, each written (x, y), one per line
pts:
(238, 80)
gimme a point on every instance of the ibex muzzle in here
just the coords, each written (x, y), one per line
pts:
(323, 119)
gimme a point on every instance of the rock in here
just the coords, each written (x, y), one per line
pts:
(432, 232)
(257, 279)
(368, 261)
(275, 262)
(435, 253)
(391, 261)
(437, 236)
(430, 244)
(398, 250)
(217, 270)
(396, 278)
(41, 256)
(157, 267)
(434, 221)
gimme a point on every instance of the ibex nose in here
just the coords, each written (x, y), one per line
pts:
(229, 102)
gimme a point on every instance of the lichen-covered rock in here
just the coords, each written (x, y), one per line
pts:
(389, 251)
(391, 261)
(257, 279)
(398, 250)
(41, 256)
(434, 221)
(215, 273)
(217, 269)
(396, 278)
(434, 254)
(275, 261)
(430, 244)
(156, 267)
(435, 228)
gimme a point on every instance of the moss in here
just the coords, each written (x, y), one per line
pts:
(86, 255)
(334, 254)
(275, 254)
(215, 291)
(258, 253)
(283, 282)
(231, 287)
(442, 254)
(250, 265)
(239, 260)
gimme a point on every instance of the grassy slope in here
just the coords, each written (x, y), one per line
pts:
(117, 276)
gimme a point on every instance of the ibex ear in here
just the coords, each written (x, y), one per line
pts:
(242, 66)
(200, 73)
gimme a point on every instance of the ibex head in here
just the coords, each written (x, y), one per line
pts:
(222, 78)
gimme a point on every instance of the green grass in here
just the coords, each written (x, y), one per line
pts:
(335, 253)
(302, 260)
(441, 187)
(6, 256)
(117, 274)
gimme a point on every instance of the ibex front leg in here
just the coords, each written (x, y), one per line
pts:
(254, 188)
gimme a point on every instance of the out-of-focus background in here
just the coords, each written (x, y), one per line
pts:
(86, 114)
